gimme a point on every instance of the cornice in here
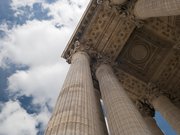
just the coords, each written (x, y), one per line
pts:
(83, 23)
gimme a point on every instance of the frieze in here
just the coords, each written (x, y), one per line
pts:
(145, 108)
(143, 93)
(153, 91)
(105, 28)
(139, 52)
(118, 38)
(89, 13)
(168, 76)
(127, 11)
(162, 28)
(171, 67)
(107, 31)
(135, 87)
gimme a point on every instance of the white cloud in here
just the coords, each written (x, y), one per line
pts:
(43, 83)
(67, 12)
(4, 27)
(19, 3)
(38, 45)
(14, 120)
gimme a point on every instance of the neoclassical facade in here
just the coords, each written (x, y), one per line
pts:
(125, 53)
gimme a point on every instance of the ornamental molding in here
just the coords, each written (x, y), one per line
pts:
(96, 57)
(153, 92)
(126, 10)
(177, 45)
(77, 46)
(85, 20)
(145, 108)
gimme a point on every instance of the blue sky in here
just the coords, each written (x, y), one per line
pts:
(33, 34)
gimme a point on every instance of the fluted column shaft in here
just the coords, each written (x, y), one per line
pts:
(98, 114)
(156, 8)
(74, 113)
(169, 111)
(122, 116)
(152, 125)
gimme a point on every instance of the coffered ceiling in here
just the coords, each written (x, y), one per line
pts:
(145, 54)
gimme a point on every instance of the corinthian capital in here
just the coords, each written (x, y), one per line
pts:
(126, 10)
(77, 46)
(145, 108)
(153, 91)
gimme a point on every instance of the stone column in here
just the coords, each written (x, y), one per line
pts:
(74, 113)
(148, 112)
(152, 125)
(117, 2)
(98, 113)
(156, 8)
(169, 111)
(122, 116)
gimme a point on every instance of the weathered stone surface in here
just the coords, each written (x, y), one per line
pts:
(152, 125)
(117, 2)
(169, 111)
(122, 115)
(156, 8)
(78, 110)
(139, 55)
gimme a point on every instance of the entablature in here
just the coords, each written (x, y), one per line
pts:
(143, 52)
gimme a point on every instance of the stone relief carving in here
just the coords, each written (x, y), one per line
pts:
(117, 41)
(133, 85)
(126, 10)
(145, 108)
(153, 91)
(99, 57)
(162, 28)
(171, 67)
(177, 45)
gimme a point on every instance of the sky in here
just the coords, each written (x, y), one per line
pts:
(33, 34)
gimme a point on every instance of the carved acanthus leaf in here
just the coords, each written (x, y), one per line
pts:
(126, 10)
(153, 91)
(100, 57)
(145, 108)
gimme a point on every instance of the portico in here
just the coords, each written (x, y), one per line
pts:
(117, 50)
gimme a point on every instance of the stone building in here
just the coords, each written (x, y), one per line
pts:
(127, 53)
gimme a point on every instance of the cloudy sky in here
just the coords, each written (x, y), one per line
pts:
(33, 34)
